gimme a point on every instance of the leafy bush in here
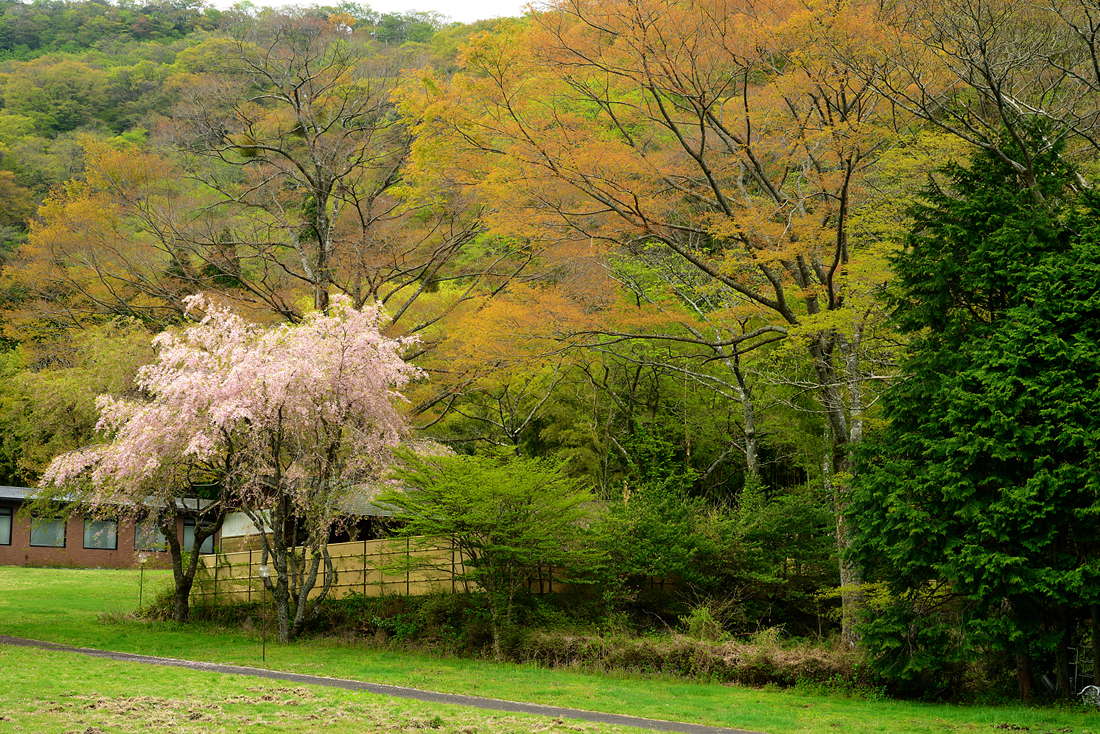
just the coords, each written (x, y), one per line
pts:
(454, 622)
(161, 605)
(701, 624)
(761, 562)
(508, 516)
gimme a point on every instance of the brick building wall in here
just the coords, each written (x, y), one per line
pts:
(18, 551)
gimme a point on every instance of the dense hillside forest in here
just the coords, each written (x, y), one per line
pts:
(806, 293)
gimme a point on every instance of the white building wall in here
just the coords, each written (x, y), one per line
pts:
(237, 525)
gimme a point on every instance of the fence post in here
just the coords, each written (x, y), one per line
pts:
(249, 575)
(364, 566)
(408, 570)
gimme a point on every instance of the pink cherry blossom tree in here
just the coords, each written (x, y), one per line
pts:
(286, 420)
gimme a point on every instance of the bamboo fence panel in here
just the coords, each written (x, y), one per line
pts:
(362, 567)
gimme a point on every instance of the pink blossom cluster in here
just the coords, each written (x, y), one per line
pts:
(294, 403)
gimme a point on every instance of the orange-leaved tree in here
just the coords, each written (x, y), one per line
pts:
(721, 133)
(88, 255)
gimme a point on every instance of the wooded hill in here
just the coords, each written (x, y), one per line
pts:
(806, 292)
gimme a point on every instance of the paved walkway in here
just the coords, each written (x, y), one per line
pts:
(492, 704)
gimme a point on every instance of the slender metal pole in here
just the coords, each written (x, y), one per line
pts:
(142, 560)
(264, 572)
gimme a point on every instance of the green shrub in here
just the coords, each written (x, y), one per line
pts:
(453, 622)
(161, 605)
(701, 624)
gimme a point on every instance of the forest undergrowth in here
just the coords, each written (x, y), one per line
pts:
(569, 632)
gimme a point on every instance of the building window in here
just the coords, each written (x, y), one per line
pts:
(148, 537)
(48, 533)
(5, 526)
(189, 538)
(101, 534)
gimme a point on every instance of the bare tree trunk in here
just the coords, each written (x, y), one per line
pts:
(850, 350)
(836, 457)
(851, 574)
(852, 597)
(498, 653)
(1094, 610)
(184, 578)
(1061, 653)
(275, 552)
(1023, 673)
(306, 608)
(181, 595)
(748, 414)
(295, 577)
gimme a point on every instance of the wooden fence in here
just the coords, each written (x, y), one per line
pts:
(361, 568)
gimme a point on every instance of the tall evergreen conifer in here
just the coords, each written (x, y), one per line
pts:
(980, 500)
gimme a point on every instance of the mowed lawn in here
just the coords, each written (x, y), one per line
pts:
(43, 691)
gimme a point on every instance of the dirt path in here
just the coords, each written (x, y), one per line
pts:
(492, 704)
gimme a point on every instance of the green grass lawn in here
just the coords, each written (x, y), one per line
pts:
(60, 692)
(89, 608)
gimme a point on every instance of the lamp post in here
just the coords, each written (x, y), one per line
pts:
(264, 572)
(143, 558)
